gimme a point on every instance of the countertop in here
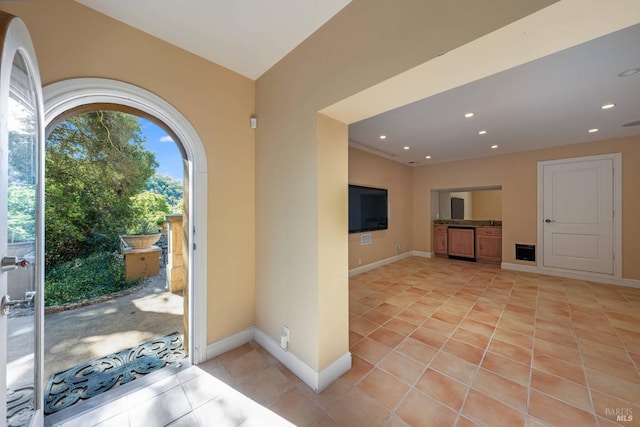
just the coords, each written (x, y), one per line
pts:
(469, 222)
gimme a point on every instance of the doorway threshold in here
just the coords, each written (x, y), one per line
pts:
(116, 394)
(94, 378)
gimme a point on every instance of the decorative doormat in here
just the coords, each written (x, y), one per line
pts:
(91, 378)
(20, 406)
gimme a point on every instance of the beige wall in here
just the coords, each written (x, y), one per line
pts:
(373, 171)
(350, 53)
(517, 174)
(74, 41)
(487, 204)
(298, 185)
(333, 296)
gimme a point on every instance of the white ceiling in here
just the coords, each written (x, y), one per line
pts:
(548, 102)
(246, 36)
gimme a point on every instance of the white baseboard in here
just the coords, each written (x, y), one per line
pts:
(591, 277)
(303, 371)
(519, 267)
(229, 343)
(334, 371)
(422, 254)
(318, 381)
(631, 283)
(380, 263)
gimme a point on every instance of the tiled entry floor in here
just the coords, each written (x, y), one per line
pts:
(443, 342)
(188, 397)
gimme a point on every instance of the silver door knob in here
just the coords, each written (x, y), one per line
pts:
(10, 263)
(7, 303)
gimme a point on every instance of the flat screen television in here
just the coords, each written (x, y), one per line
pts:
(368, 209)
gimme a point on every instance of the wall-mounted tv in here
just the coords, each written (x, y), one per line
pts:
(368, 209)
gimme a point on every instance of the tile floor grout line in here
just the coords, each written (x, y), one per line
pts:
(469, 386)
(376, 365)
(393, 412)
(464, 402)
(533, 353)
(428, 364)
(584, 367)
(557, 302)
(593, 411)
(411, 386)
(628, 353)
(486, 349)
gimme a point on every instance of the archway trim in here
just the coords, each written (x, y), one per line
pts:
(66, 95)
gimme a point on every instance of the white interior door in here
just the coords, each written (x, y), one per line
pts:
(578, 209)
(21, 235)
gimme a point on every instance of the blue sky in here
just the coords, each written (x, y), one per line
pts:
(167, 154)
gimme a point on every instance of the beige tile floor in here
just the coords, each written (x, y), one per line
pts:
(190, 397)
(438, 342)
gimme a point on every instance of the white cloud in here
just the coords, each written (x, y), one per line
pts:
(166, 138)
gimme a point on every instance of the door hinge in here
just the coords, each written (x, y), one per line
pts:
(613, 255)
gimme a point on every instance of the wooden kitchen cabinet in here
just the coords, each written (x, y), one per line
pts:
(462, 242)
(440, 239)
(489, 244)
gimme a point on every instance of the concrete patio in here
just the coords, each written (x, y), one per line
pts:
(75, 336)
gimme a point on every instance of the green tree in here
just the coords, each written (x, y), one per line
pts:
(21, 183)
(21, 203)
(149, 211)
(21, 191)
(22, 156)
(95, 162)
(171, 188)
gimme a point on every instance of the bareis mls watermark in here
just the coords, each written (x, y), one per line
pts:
(620, 414)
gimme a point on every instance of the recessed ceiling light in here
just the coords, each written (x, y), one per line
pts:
(494, 146)
(383, 136)
(468, 115)
(482, 132)
(629, 72)
(607, 106)
(406, 147)
(427, 157)
(594, 130)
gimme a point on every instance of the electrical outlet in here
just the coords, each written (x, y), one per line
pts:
(284, 338)
(359, 261)
(399, 247)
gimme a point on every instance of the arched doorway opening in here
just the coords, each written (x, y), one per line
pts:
(105, 191)
(77, 95)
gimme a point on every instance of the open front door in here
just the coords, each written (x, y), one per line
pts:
(21, 228)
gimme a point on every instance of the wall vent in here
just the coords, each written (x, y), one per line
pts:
(525, 252)
(365, 239)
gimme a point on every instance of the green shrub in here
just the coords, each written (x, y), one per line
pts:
(99, 274)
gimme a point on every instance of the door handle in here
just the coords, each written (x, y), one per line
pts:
(6, 303)
(10, 263)
(549, 220)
